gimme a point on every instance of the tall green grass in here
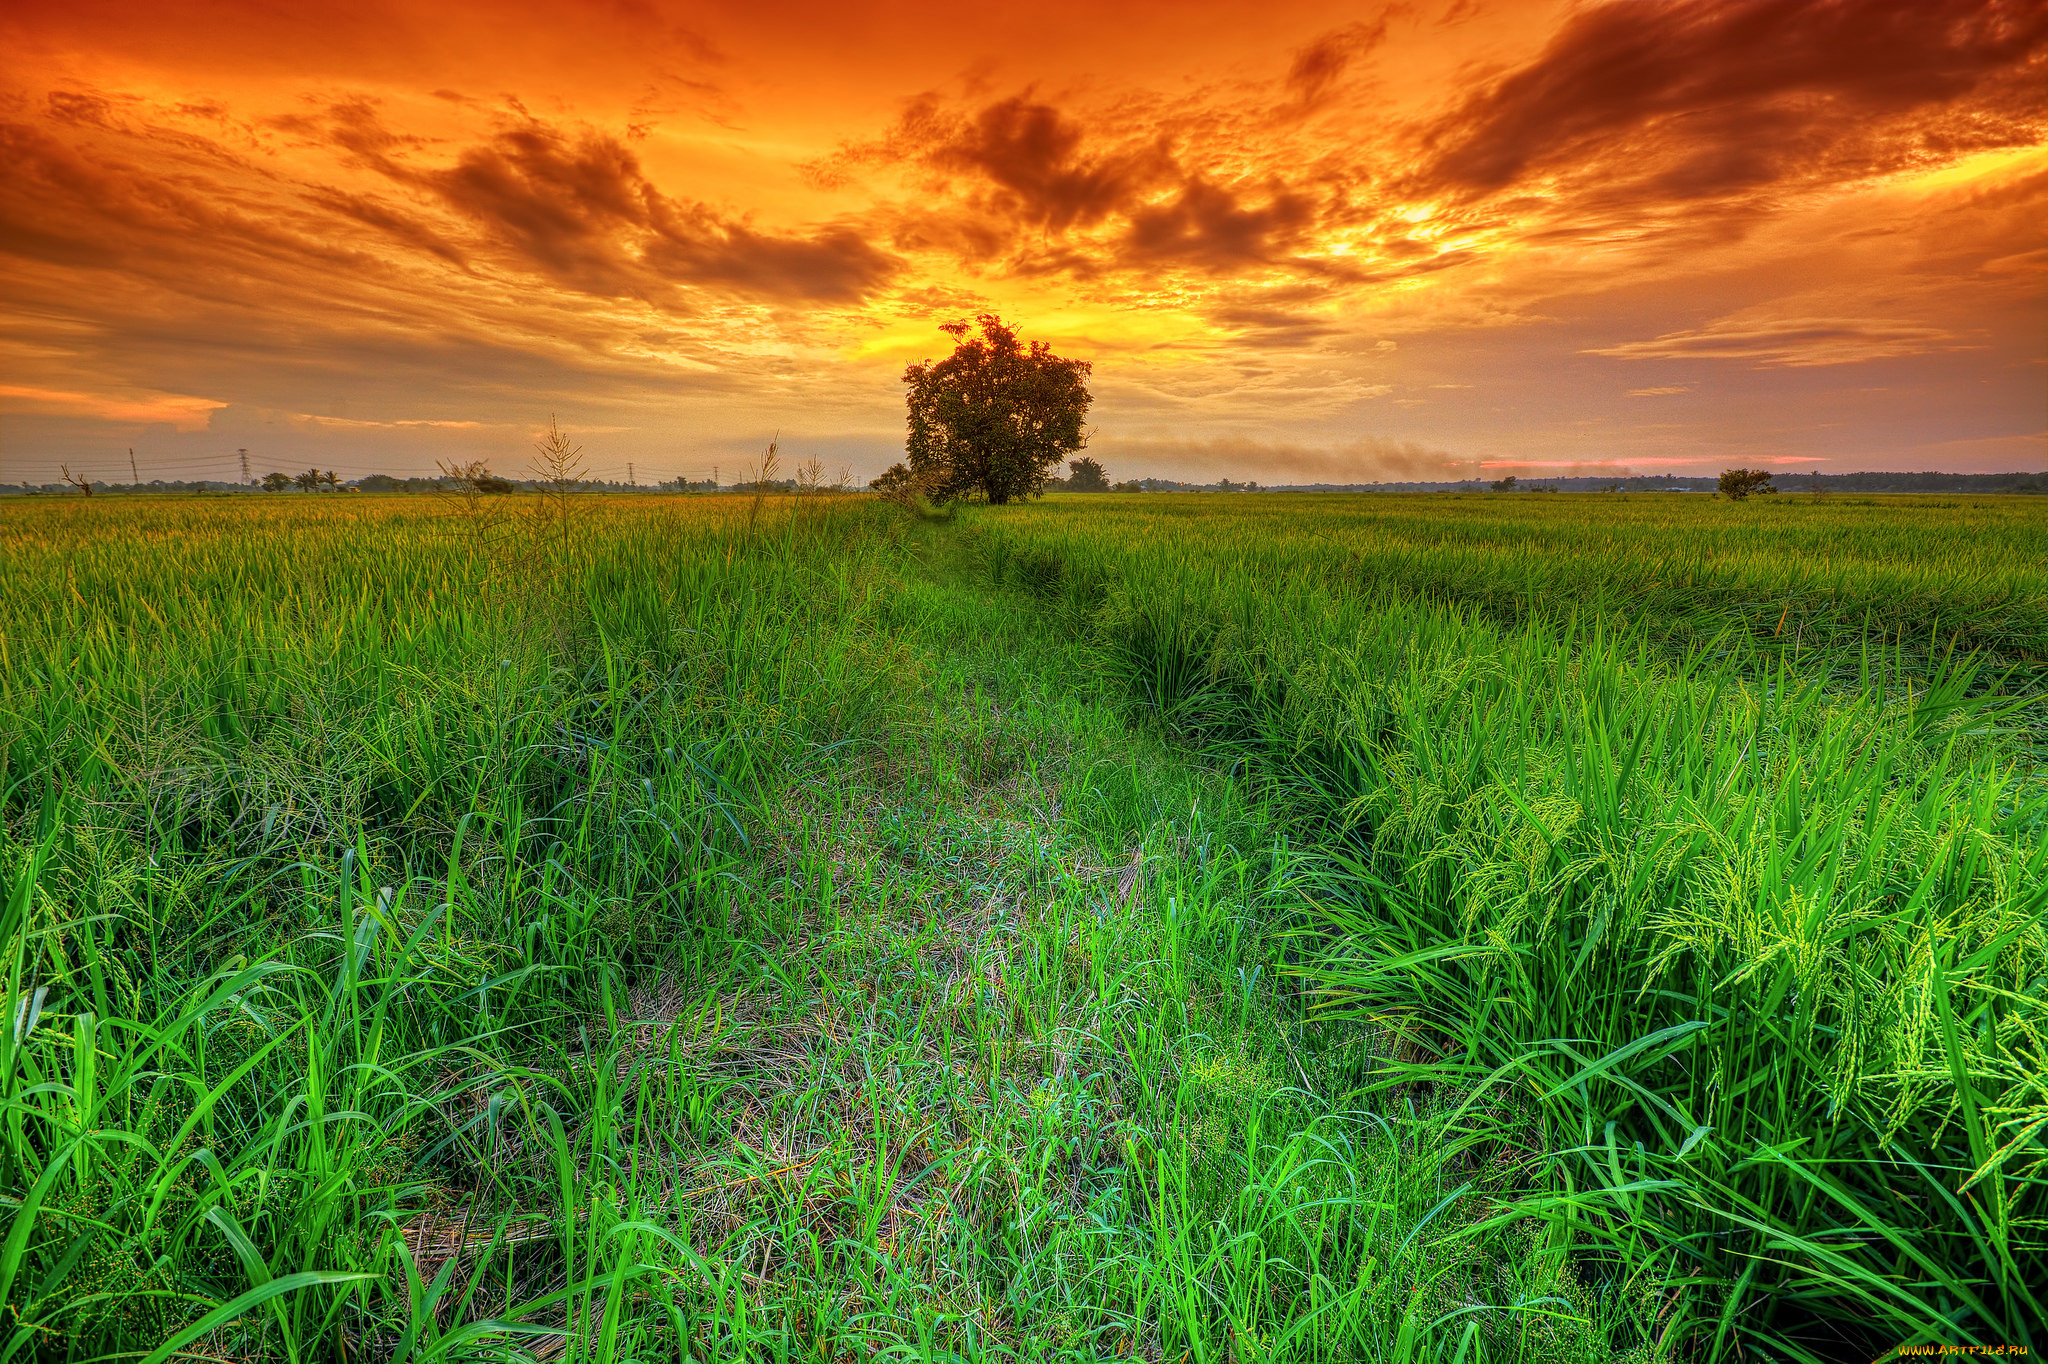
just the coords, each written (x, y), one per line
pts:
(328, 843)
(721, 931)
(1817, 579)
(1756, 934)
(718, 932)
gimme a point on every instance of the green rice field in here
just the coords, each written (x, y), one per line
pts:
(1214, 928)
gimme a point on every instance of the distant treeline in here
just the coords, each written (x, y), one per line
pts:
(384, 483)
(1929, 481)
(1163, 485)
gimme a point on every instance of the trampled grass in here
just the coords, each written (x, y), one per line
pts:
(1171, 928)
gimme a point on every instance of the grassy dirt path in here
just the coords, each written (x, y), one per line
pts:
(760, 937)
(1004, 1063)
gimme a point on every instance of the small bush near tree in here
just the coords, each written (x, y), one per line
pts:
(1737, 484)
(897, 484)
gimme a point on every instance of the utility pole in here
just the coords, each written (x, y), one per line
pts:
(245, 464)
(131, 467)
(714, 478)
(631, 481)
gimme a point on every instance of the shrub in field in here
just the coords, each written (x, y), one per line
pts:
(897, 484)
(1736, 484)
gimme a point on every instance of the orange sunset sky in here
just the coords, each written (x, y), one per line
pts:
(1300, 241)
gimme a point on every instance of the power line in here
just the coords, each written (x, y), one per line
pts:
(180, 461)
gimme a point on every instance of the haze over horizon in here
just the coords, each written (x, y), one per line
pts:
(1300, 241)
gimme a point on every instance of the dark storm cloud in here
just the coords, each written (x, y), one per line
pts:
(581, 211)
(1272, 327)
(1212, 227)
(830, 265)
(1036, 171)
(1633, 117)
(68, 205)
(81, 108)
(242, 284)
(568, 209)
(1018, 162)
(1318, 67)
(1679, 100)
(401, 227)
(1026, 185)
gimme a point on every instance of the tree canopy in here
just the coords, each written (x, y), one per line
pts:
(993, 418)
(1086, 476)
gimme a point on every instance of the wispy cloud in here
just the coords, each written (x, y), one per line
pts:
(178, 410)
(1791, 342)
(351, 423)
(1366, 459)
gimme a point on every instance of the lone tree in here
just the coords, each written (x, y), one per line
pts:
(1086, 476)
(1737, 484)
(993, 418)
